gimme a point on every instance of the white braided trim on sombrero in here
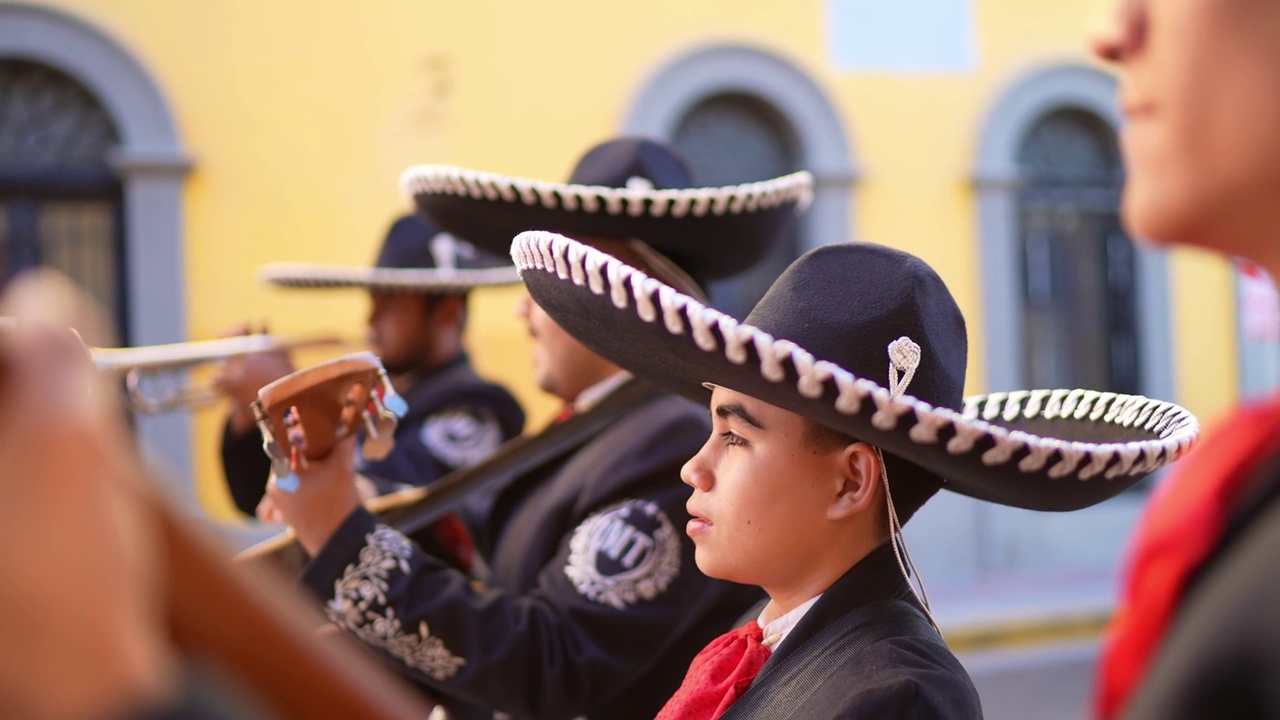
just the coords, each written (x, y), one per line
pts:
(306, 275)
(677, 203)
(1175, 428)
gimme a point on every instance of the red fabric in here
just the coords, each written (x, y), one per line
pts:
(718, 676)
(565, 413)
(455, 537)
(1182, 525)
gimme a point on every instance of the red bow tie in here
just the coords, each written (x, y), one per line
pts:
(718, 676)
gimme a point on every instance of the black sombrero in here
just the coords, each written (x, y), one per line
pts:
(630, 188)
(840, 307)
(415, 258)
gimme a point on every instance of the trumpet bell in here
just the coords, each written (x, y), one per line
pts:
(158, 391)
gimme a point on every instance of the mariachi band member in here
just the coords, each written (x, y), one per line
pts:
(594, 604)
(418, 287)
(1196, 633)
(128, 609)
(837, 412)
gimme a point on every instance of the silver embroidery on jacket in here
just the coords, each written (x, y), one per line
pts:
(624, 554)
(359, 605)
(460, 436)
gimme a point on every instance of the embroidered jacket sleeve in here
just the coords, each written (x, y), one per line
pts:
(619, 595)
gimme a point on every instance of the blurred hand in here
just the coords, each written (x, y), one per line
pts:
(325, 497)
(240, 378)
(268, 512)
(82, 634)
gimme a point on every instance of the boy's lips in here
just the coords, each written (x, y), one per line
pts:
(698, 524)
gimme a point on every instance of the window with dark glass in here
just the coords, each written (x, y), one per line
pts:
(1078, 280)
(60, 201)
(732, 139)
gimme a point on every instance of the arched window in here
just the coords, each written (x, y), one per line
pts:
(60, 201)
(741, 114)
(149, 163)
(1067, 299)
(1079, 321)
(730, 139)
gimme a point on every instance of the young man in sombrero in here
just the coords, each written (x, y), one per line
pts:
(1197, 632)
(418, 289)
(594, 606)
(836, 413)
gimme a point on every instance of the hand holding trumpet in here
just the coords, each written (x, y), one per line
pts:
(239, 377)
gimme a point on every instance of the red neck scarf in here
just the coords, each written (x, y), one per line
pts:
(718, 676)
(1181, 527)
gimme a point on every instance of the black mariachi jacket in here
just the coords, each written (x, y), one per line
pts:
(595, 606)
(893, 678)
(454, 419)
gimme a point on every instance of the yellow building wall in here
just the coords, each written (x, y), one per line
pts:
(300, 117)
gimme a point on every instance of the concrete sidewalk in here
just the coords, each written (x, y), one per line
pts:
(1047, 682)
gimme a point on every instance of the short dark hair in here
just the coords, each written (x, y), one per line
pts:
(908, 495)
(823, 439)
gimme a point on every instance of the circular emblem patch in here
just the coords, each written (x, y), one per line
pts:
(461, 436)
(624, 554)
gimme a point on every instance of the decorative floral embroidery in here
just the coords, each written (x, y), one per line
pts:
(359, 605)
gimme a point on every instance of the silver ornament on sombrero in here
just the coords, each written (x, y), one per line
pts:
(982, 450)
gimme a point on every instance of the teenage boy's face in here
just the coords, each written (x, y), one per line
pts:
(1198, 90)
(760, 494)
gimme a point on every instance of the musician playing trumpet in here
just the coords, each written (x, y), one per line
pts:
(418, 290)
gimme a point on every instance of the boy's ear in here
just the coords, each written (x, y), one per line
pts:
(859, 469)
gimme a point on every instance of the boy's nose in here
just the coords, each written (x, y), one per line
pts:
(695, 475)
(1118, 30)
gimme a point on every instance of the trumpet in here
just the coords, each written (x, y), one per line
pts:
(155, 375)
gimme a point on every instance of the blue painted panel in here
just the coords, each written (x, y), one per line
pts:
(901, 36)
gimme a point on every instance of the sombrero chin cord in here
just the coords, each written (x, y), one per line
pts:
(904, 355)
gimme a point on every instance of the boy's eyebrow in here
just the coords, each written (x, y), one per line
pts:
(727, 410)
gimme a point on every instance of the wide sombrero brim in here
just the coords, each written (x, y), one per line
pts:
(1039, 449)
(710, 232)
(406, 280)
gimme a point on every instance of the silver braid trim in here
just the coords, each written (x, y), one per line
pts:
(307, 275)
(753, 197)
(1174, 428)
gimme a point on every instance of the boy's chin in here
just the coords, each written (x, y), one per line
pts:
(708, 565)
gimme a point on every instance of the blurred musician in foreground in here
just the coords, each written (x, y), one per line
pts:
(1196, 634)
(81, 634)
(103, 616)
(418, 289)
(594, 606)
